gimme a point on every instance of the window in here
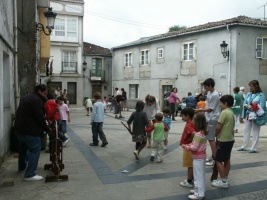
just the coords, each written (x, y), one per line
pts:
(261, 47)
(59, 27)
(97, 67)
(188, 51)
(69, 61)
(133, 88)
(128, 59)
(144, 57)
(66, 26)
(160, 53)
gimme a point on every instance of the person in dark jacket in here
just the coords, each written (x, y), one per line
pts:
(30, 125)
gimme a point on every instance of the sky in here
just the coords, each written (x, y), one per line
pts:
(111, 23)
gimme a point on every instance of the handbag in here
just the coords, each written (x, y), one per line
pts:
(260, 120)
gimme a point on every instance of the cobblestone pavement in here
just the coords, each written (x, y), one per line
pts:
(97, 173)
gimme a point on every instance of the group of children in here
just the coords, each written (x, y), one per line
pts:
(193, 142)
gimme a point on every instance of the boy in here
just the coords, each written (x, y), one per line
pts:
(225, 140)
(65, 115)
(158, 137)
(167, 120)
(97, 121)
(187, 115)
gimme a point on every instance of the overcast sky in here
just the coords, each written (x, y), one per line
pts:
(110, 23)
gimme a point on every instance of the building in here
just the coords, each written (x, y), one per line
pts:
(64, 67)
(97, 70)
(185, 58)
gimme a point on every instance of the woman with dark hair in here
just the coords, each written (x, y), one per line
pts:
(254, 96)
(236, 108)
(140, 121)
(173, 98)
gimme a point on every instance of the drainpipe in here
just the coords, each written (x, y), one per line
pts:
(16, 77)
(229, 64)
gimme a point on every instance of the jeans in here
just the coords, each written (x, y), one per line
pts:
(63, 126)
(97, 129)
(29, 153)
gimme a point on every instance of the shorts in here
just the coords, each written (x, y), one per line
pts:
(224, 150)
(187, 158)
(211, 126)
(166, 135)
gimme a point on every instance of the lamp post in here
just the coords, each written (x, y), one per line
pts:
(224, 50)
(50, 21)
(84, 65)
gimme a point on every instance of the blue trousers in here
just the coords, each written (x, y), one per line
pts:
(97, 129)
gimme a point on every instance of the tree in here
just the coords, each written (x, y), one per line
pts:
(176, 28)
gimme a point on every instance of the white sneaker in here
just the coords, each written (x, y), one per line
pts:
(186, 184)
(194, 197)
(192, 191)
(210, 163)
(136, 155)
(220, 184)
(209, 159)
(34, 178)
(65, 142)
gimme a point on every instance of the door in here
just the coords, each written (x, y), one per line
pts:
(96, 88)
(165, 88)
(72, 92)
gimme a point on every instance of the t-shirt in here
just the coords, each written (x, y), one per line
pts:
(63, 111)
(168, 122)
(212, 102)
(227, 120)
(201, 104)
(159, 128)
(188, 130)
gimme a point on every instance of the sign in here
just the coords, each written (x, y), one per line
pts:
(223, 76)
(95, 78)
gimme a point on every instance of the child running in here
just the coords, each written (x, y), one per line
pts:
(198, 149)
(158, 137)
(167, 120)
(225, 140)
(187, 115)
(140, 121)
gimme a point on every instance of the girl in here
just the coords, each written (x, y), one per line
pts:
(140, 121)
(198, 148)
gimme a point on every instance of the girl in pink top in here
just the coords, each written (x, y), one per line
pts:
(198, 148)
(173, 98)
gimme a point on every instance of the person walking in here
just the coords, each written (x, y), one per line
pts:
(236, 107)
(88, 106)
(254, 96)
(173, 98)
(198, 148)
(97, 120)
(30, 125)
(140, 121)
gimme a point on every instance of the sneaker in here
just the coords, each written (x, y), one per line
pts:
(220, 184)
(194, 197)
(34, 178)
(92, 144)
(104, 144)
(192, 191)
(65, 142)
(165, 147)
(136, 155)
(210, 163)
(252, 151)
(160, 161)
(152, 158)
(209, 159)
(148, 145)
(241, 149)
(121, 117)
(185, 183)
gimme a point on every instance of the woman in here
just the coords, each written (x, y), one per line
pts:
(151, 108)
(255, 95)
(236, 108)
(173, 98)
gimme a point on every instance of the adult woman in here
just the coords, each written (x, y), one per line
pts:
(236, 108)
(173, 98)
(255, 95)
(151, 108)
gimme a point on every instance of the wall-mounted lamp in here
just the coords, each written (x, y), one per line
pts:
(50, 21)
(84, 65)
(224, 50)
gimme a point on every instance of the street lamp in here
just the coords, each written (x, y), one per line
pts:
(224, 51)
(50, 21)
(84, 65)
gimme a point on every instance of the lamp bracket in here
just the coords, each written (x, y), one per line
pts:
(40, 27)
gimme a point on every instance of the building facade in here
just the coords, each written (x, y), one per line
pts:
(185, 58)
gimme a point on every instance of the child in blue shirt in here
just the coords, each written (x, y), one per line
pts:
(167, 120)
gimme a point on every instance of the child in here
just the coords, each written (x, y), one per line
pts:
(88, 105)
(187, 115)
(167, 120)
(225, 140)
(105, 101)
(158, 137)
(65, 115)
(201, 104)
(140, 122)
(97, 121)
(198, 148)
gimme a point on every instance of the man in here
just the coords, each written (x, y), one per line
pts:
(117, 91)
(58, 92)
(30, 125)
(190, 100)
(117, 103)
(211, 114)
(124, 103)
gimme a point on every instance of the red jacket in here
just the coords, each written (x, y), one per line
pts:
(51, 109)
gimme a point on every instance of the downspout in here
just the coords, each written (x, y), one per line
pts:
(16, 77)
(229, 64)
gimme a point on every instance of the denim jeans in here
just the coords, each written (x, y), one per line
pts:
(63, 126)
(97, 129)
(29, 153)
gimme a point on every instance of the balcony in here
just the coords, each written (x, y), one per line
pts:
(97, 75)
(69, 67)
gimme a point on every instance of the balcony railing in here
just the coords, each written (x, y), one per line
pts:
(97, 75)
(69, 67)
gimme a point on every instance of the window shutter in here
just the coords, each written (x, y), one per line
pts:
(259, 46)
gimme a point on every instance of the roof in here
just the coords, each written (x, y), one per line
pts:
(91, 49)
(240, 20)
